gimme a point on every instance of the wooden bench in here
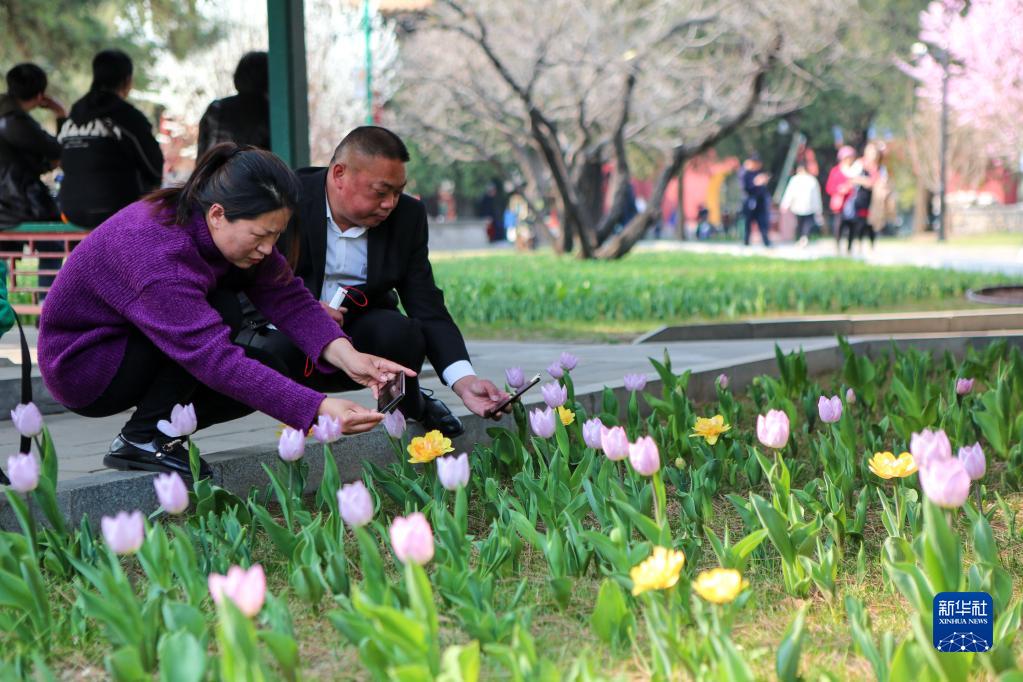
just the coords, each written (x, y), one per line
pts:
(12, 249)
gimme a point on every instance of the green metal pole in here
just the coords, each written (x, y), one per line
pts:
(367, 28)
(289, 90)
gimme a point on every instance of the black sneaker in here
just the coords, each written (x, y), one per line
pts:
(170, 455)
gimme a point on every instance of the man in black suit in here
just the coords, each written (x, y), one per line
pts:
(359, 231)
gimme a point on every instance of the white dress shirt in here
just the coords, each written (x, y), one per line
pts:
(347, 264)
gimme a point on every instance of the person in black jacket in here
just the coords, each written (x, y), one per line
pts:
(26, 150)
(110, 157)
(243, 118)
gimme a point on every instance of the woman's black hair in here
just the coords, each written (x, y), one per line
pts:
(246, 181)
(252, 74)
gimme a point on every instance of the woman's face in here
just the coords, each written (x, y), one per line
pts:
(246, 241)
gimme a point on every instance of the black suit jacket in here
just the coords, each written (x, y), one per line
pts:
(398, 261)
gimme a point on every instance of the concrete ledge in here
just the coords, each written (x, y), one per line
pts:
(239, 470)
(949, 322)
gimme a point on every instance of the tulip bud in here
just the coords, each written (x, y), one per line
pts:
(964, 386)
(591, 433)
(722, 381)
(929, 445)
(829, 409)
(171, 492)
(973, 460)
(945, 482)
(554, 394)
(543, 422)
(28, 420)
(634, 382)
(394, 424)
(245, 588)
(125, 532)
(412, 538)
(514, 377)
(291, 446)
(23, 470)
(644, 456)
(556, 371)
(773, 429)
(615, 443)
(327, 429)
(453, 472)
(355, 504)
(568, 361)
(850, 397)
(182, 422)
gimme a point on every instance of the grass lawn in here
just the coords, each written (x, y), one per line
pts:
(529, 296)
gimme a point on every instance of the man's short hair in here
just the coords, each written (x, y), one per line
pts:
(25, 81)
(251, 74)
(372, 141)
(111, 69)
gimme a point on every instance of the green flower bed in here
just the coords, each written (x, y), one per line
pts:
(538, 293)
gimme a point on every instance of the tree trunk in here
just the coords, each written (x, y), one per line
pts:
(681, 213)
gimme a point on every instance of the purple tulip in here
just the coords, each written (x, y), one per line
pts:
(554, 394)
(171, 492)
(182, 422)
(412, 538)
(125, 532)
(394, 424)
(591, 433)
(246, 588)
(453, 472)
(355, 504)
(644, 456)
(635, 382)
(28, 420)
(945, 482)
(556, 371)
(722, 381)
(542, 422)
(829, 409)
(850, 397)
(515, 378)
(568, 361)
(929, 445)
(973, 460)
(327, 429)
(291, 446)
(23, 470)
(615, 443)
(773, 429)
(964, 386)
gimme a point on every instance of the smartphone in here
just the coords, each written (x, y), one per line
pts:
(391, 394)
(532, 382)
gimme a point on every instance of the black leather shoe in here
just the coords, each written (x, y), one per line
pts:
(436, 415)
(170, 455)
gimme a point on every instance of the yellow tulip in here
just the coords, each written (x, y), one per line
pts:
(429, 447)
(886, 465)
(567, 416)
(709, 429)
(719, 585)
(659, 572)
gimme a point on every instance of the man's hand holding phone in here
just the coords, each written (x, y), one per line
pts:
(505, 405)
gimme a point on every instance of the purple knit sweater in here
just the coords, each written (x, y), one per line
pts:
(136, 271)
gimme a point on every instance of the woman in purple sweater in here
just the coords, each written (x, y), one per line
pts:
(133, 319)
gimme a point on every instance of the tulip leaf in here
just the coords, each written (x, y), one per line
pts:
(182, 658)
(777, 529)
(612, 621)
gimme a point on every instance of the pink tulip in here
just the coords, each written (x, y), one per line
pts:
(929, 445)
(125, 532)
(554, 394)
(412, 538)
(394, 424)
(542, 422)
(634, 382)
(773, 429)
(591, 433)
(973, 461)
(182, 422)
(829, 409)
(945, 482)
(327, 429)
(171, 492)
(722, 381)
(556, 371)
(291, 446)
(644, 456)
(245, 588)
(453, 472)
(355, 504)
(850, 397)
(615, 443)
(515, 377)
(964, 386)
(23, 470)
(28, 420)
(568, 361)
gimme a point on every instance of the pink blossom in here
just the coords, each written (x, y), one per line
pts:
(515, 377)
(615, 443)
(23, 470)
(591, 433)
(327, 429)
(355, 504)
(634, 382)
(543, 422)
(773, 429)
(973, 461)
(829, 409)
(27, 419)
(453, 472)
(964, 386)
(945, 482)
(850, 397)
(291, 446)
(929, 445)
(412, 538)
(182, 422)
(394, 424)
(245, 588)
(554, 394)
(644, 456)
(568, 361)
(124, 532)
(722, 381)
(556, 371)
(171, 492)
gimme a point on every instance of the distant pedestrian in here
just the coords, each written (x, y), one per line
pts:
(757, 204)
(243, 118)
(110, 156)
(803, 198)
(839, 188)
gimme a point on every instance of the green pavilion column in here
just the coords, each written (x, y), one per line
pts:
(289, 100)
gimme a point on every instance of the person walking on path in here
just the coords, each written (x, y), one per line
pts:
(803, 198)
(757, 204)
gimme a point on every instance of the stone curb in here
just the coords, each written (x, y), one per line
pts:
(106, 493)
